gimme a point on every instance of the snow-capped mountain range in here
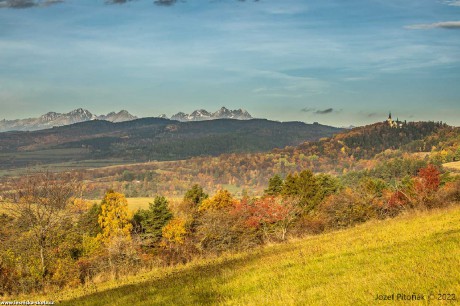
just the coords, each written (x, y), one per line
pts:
(202, 114)
(51, 119)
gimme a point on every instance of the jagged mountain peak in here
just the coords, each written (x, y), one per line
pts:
(121, 116)
(222, 113)
(50, 116)
(51, 119)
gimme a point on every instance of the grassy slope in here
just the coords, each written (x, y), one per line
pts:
(410, 254)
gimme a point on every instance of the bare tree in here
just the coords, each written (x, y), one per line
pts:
(39, 203)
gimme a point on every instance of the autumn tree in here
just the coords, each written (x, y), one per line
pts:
(347, 208)
(115, 217)
(430, 178)
(116, 226)
(174, 232)
(426, 185)
(272, 213)
(40, 202)
(176, 247)
(221, 199)
(224, 228)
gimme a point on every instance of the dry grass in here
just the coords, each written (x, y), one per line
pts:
(139, 203)
(416, 253)
(452, 166)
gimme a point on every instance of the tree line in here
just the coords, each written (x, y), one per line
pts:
(52, 238)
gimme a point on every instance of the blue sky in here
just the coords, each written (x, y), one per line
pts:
(335, 62)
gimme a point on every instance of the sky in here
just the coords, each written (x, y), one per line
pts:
(331, 61)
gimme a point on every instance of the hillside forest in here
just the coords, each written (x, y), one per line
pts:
(66, 229)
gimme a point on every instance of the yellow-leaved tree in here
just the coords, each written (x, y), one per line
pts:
(115, 222)
(115, 217)
(175, 231)
(175, 243)
(221, 199)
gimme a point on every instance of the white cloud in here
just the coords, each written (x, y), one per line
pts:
(452, 2)
(286, 9)
(443, 24)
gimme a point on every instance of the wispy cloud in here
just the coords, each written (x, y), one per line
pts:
(307, 109)
(315, 111)
(371, 115)
(165, 2)
(282, 85)
(286, 9)
(443, 25)
(19, 4)
(452, 2)
(324, 111)
(116, 1)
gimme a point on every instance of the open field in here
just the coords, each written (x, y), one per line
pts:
(452, 166)
(133, 203)
(143, 202)
(410, 254)
(62, 166)
(139, 203)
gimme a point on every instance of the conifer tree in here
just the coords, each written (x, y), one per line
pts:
(153, 220)
(275, 186)
(195, 195)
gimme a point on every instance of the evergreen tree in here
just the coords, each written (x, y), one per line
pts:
(88, 222)
(290, 186)
(275, 186)
(150, 222)
(308, 190)
(195, 195)
(303, 186)
(327, 185)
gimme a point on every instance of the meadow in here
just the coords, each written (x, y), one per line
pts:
(415, 253)
(455, 166)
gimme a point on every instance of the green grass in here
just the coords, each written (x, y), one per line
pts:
(410, 254)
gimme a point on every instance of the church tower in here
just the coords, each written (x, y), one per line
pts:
(391, 122)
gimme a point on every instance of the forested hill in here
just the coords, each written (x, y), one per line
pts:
(156, 139)
(366, 142)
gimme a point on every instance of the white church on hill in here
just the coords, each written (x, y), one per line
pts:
(394, 124)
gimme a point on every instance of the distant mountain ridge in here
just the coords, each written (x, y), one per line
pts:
(223, 113)
(147, 139)
(52, 119)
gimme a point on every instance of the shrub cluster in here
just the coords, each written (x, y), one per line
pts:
(50, 239)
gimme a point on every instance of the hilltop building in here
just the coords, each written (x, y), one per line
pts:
(394, 124)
